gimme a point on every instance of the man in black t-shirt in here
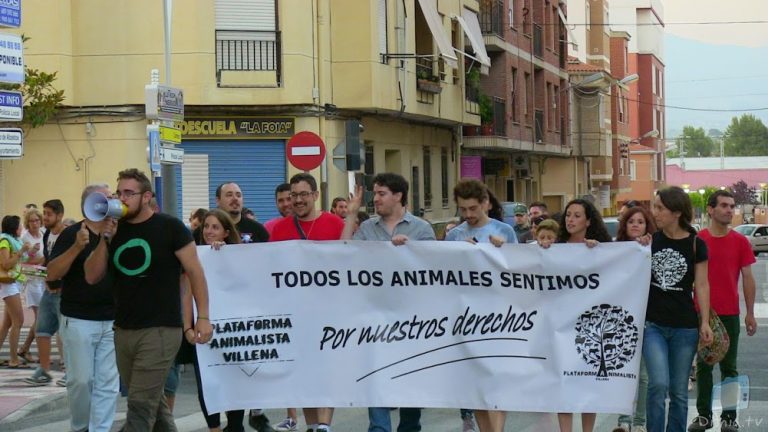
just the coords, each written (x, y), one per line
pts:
(229, 198)
(87, 316)
(145, 257)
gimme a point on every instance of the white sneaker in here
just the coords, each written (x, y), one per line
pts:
(287, 425)
(639, 429)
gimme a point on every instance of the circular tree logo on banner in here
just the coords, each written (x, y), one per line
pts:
(606, 338)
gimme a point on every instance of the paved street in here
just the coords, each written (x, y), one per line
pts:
(47, 411)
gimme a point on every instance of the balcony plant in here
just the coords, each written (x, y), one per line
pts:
(427, 82)
(485, 104)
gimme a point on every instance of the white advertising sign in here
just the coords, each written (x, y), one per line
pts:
(11, 59)
(11, 143)
(428, 324)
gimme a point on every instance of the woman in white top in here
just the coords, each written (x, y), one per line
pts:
(33, 221)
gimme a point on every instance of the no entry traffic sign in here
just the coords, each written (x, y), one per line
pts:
(305, 151)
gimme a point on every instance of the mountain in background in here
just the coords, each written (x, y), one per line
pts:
(723, 77)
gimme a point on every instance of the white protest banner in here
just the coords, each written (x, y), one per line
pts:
(428, 324)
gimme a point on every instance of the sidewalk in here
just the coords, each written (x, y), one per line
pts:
(17, 399)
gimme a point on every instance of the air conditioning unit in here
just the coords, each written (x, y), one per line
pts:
(520, 162)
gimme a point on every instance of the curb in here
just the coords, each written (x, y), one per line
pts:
(37, 406)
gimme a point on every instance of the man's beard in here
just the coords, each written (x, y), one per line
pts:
(129, 215)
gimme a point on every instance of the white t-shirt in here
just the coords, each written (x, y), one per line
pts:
(27, 237)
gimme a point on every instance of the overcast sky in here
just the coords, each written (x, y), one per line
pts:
(752, 35)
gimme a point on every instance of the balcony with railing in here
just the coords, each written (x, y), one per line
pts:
(492, 23)
(427, 80)
(248, 58)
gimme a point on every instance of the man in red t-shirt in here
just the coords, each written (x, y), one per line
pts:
(309, 223)
(730, 255)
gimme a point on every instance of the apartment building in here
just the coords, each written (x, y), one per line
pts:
(522, 102)
(253, 74)
(644, 20)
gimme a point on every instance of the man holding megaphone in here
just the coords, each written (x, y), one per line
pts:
(145, 254)
(87, 317)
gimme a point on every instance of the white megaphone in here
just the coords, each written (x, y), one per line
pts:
(97, 207)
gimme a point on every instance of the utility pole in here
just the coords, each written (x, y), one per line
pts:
(167, 171)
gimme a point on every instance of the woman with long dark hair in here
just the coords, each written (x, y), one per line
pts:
(581, 223)
(218, 230)
(672, 327)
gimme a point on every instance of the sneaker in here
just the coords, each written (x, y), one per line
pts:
(260, 422)
(622, 427)
(39, 378)
(639, 428)
(700, 424)
(287, 425)
(62, 382)
(468, 424)
(729, 426)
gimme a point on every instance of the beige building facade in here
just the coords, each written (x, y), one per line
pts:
(251, 78)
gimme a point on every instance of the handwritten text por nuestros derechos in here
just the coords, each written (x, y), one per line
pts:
(466, 324)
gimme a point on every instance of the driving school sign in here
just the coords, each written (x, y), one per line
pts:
(398, 324)
(236, 128)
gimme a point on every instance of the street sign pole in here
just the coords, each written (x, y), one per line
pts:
(168, 172)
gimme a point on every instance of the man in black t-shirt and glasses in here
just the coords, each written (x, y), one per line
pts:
(145, 254)
(87, 317)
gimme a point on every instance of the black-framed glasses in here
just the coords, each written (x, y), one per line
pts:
(127, 194)
(302, 195)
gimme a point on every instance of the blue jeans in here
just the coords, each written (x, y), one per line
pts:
(380, 420)
(92, 379)
(668, 353)
(48, 314)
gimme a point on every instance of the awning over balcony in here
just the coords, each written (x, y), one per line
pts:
(571, 37)
(471, 25)
(435, 23)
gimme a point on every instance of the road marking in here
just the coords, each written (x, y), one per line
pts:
(761, 310)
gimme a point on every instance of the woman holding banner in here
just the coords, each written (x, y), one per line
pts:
(218, 230)
(636, 224)
(581, 223)
(672, 328)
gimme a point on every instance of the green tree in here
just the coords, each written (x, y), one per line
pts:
(695, 142)
(746, 136)
(41, 98)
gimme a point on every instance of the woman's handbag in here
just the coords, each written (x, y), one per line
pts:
(6, 277)
(721, 342)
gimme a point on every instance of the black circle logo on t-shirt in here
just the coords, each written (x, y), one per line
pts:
(133, 243)
(606, 338)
